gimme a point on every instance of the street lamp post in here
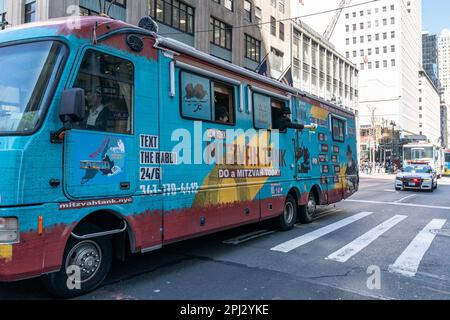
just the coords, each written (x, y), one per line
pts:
(393, 124)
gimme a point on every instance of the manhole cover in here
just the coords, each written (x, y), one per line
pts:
(442, 232)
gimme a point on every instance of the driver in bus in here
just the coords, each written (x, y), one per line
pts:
(98, 113)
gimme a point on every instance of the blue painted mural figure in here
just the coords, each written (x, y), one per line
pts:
(351, 168)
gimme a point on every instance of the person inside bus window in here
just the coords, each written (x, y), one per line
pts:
(98, 114)
(222, 115)
(281, 119)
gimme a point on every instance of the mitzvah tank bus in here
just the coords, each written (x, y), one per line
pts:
(115, 140)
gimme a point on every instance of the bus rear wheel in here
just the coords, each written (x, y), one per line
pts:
(287, 220)
(308, 212)
(87, 263)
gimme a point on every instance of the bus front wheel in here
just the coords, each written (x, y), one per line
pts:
(85, 266)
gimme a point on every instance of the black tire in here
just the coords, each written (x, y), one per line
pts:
(308, 212)
(287, 220)
(57, 283)
(398, 189)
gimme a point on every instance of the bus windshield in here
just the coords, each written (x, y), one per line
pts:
(28, 73)
(447, 157)
(417, 153)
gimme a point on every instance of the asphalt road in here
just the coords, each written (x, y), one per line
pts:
(380, 244)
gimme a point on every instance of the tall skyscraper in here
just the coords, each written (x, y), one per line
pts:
(430, 56)
(444, 71)
(444, 63)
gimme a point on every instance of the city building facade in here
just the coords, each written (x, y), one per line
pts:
(444, 126)
(384, 40)
(430, 56)
(318, 68)
(444, 63)
(429, 112)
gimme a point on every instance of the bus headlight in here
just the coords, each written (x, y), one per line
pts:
(9, 230)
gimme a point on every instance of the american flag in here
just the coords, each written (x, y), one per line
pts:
(263, 67)
(286, 78)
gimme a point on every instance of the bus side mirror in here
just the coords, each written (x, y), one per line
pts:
(73, 105)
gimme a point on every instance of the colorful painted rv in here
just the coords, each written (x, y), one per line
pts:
(114, 140)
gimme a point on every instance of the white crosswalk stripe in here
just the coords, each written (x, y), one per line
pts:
(408, 262)
(307, 238)
(344, 254)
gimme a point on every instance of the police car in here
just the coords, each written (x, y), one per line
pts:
(416, 177)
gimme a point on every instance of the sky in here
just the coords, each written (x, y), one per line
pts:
(436, 15)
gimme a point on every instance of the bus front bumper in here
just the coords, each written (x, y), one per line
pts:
(36, 251)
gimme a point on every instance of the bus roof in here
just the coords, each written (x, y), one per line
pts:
(98, 28)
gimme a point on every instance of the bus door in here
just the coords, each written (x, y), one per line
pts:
(100, 157)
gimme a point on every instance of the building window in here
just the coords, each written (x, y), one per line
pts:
(30, 11)
(392, 34)
(273, 26)
(229, 4)
(377, 36)
(393, 63)
(252, 48)
(248, 8)
(393, 48)
(385, 63)
(221, 33)
(392, 20)
(258, 15)
(377, 50)
(282, 6)
(282, 31)
(175, 14)
(347, 28)
(87, 12)
(273, 3)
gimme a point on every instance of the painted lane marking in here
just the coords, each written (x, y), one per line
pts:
(399, 204)
(320, 215)
(247, 237)
(387, 190)
(408, 262)
(309, 237)
(354, 247)
(403, 199)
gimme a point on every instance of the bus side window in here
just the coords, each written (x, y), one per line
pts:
(207, 100)
(108, 82)
(278, 115)
(224, 103)
(338, 129)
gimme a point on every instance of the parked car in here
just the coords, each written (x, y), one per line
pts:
(416, 177)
